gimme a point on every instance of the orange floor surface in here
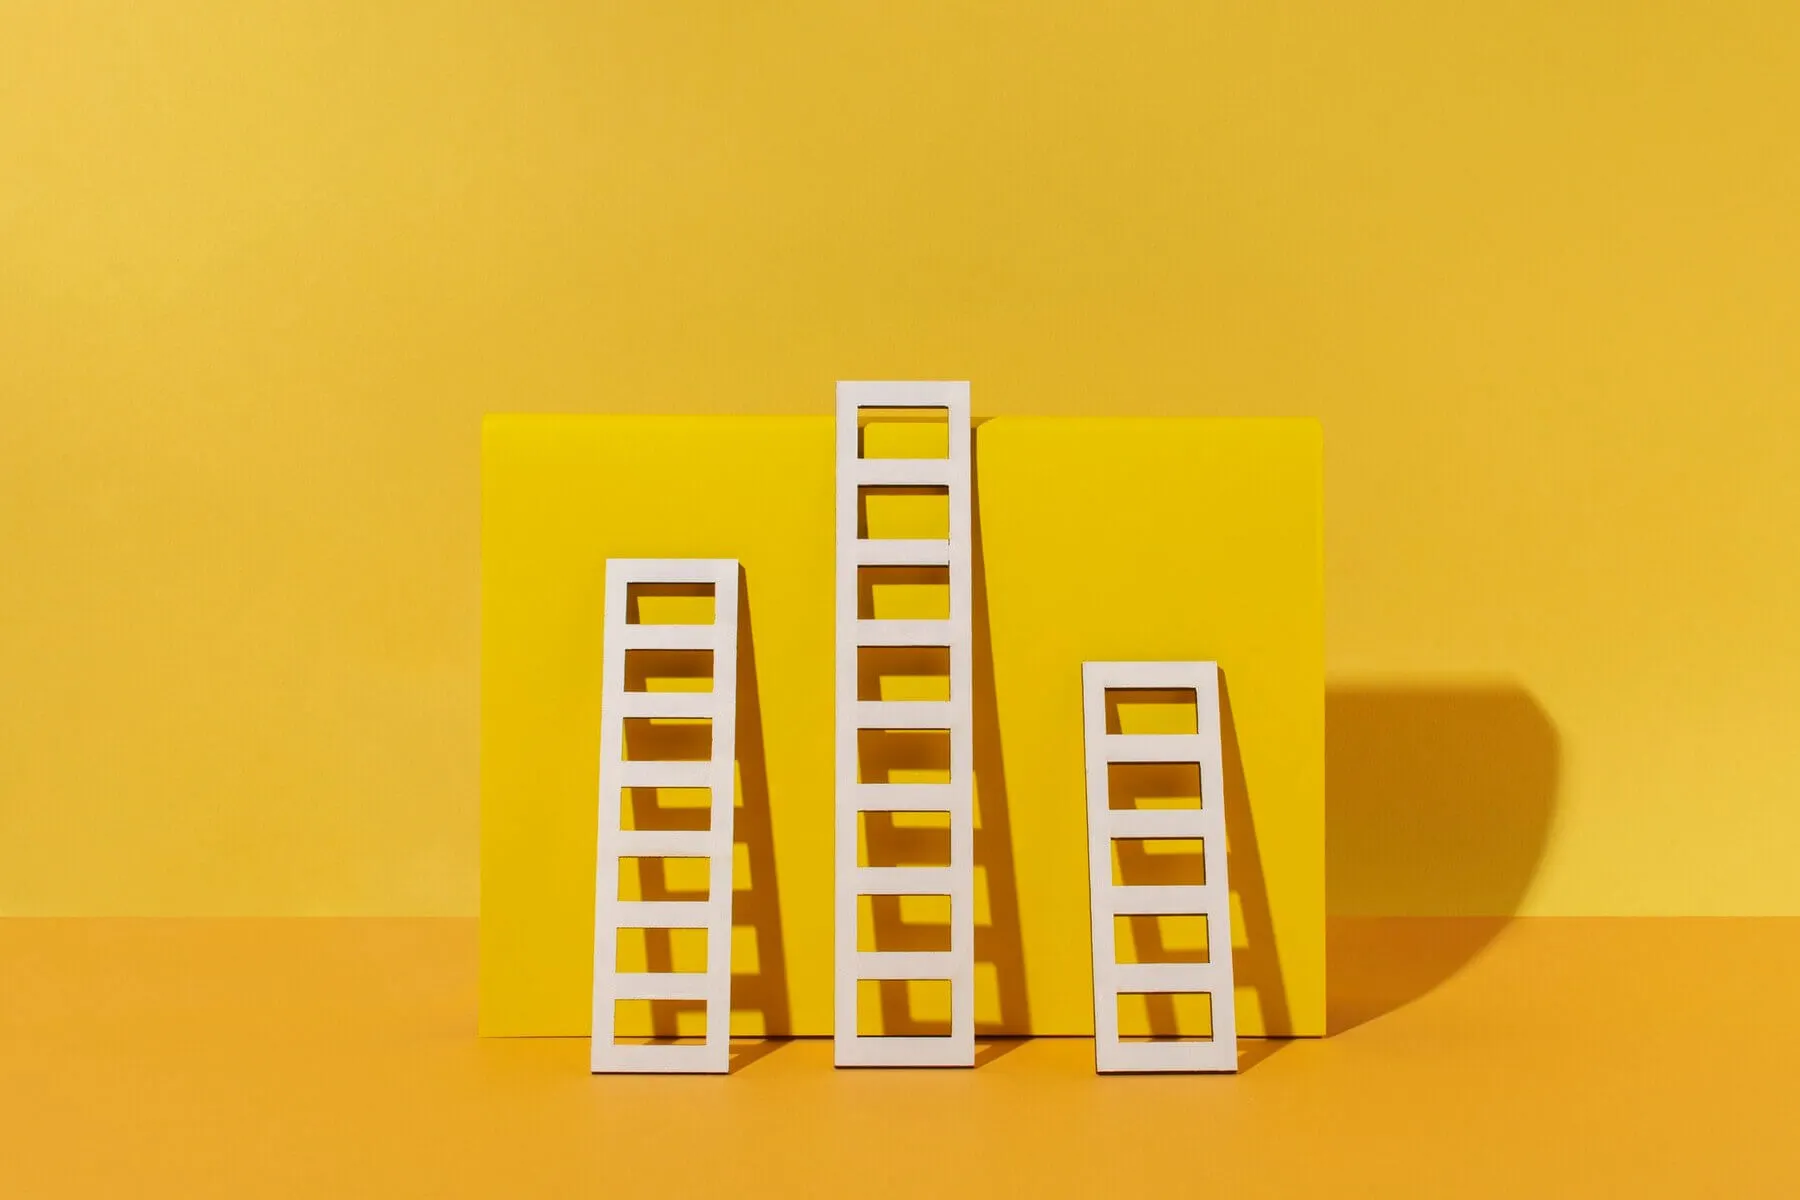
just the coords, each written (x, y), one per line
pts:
(337, 1058)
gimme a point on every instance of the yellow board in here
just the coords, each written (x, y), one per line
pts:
(1096, 538)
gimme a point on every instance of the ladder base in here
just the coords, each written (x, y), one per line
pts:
(859, 1051)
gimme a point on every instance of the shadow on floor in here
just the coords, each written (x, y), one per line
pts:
(747, 1051)
(1439, 802)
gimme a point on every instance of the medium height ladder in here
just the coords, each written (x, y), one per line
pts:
(955, 716)
(623, 635)
(1210, 899)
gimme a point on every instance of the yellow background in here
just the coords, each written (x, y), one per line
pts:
(263, 267)
(1096, 539)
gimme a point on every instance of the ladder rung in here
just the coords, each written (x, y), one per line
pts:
(1153, 747)
(905, 797)
(640, 774)
(853, 1050)
(903, 633)
(903, 472)
(903, 552)
(902, 881)
(1162, 900)
(620, 773)
(903, 393)
(665, 914)
(668, 704)
(903, 714)
(1167, 977)
(672, 570)
(1155, 823)
(668, 637)
(661, 985)
(663, 1059)
(904, 964)
(947, 557)
(662, 843)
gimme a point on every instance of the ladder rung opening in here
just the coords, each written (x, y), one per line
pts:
(1145, 786)
(904, 754)
(667, 740)
(917, 593)
(905, 924)
(660, 950)
(664, 672)
(903, 839)
(1158, 861)
(903, 674)
(905, 1006)
(903, 513)
(1156, 712)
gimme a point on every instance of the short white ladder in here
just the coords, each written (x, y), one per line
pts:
(1210, 899)
(622, 635)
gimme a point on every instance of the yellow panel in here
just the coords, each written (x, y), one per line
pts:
(1068, 509)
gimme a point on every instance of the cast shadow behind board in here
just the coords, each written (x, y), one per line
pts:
(1439, 803)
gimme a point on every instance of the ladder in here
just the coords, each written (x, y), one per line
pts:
(624, 635)
(856, 714)
(1210, 899)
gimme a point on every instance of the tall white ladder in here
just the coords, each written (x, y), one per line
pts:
(1210, 899)
(623, 634)
(950, 474)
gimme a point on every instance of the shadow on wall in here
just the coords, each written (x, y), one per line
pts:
(759, 986)
(1000, 942)
(1439, 802)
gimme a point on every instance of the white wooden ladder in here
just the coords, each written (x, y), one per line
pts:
(954, 716)
(1211, 898)
(623, 634)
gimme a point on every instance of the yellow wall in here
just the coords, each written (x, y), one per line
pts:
(263, 266)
